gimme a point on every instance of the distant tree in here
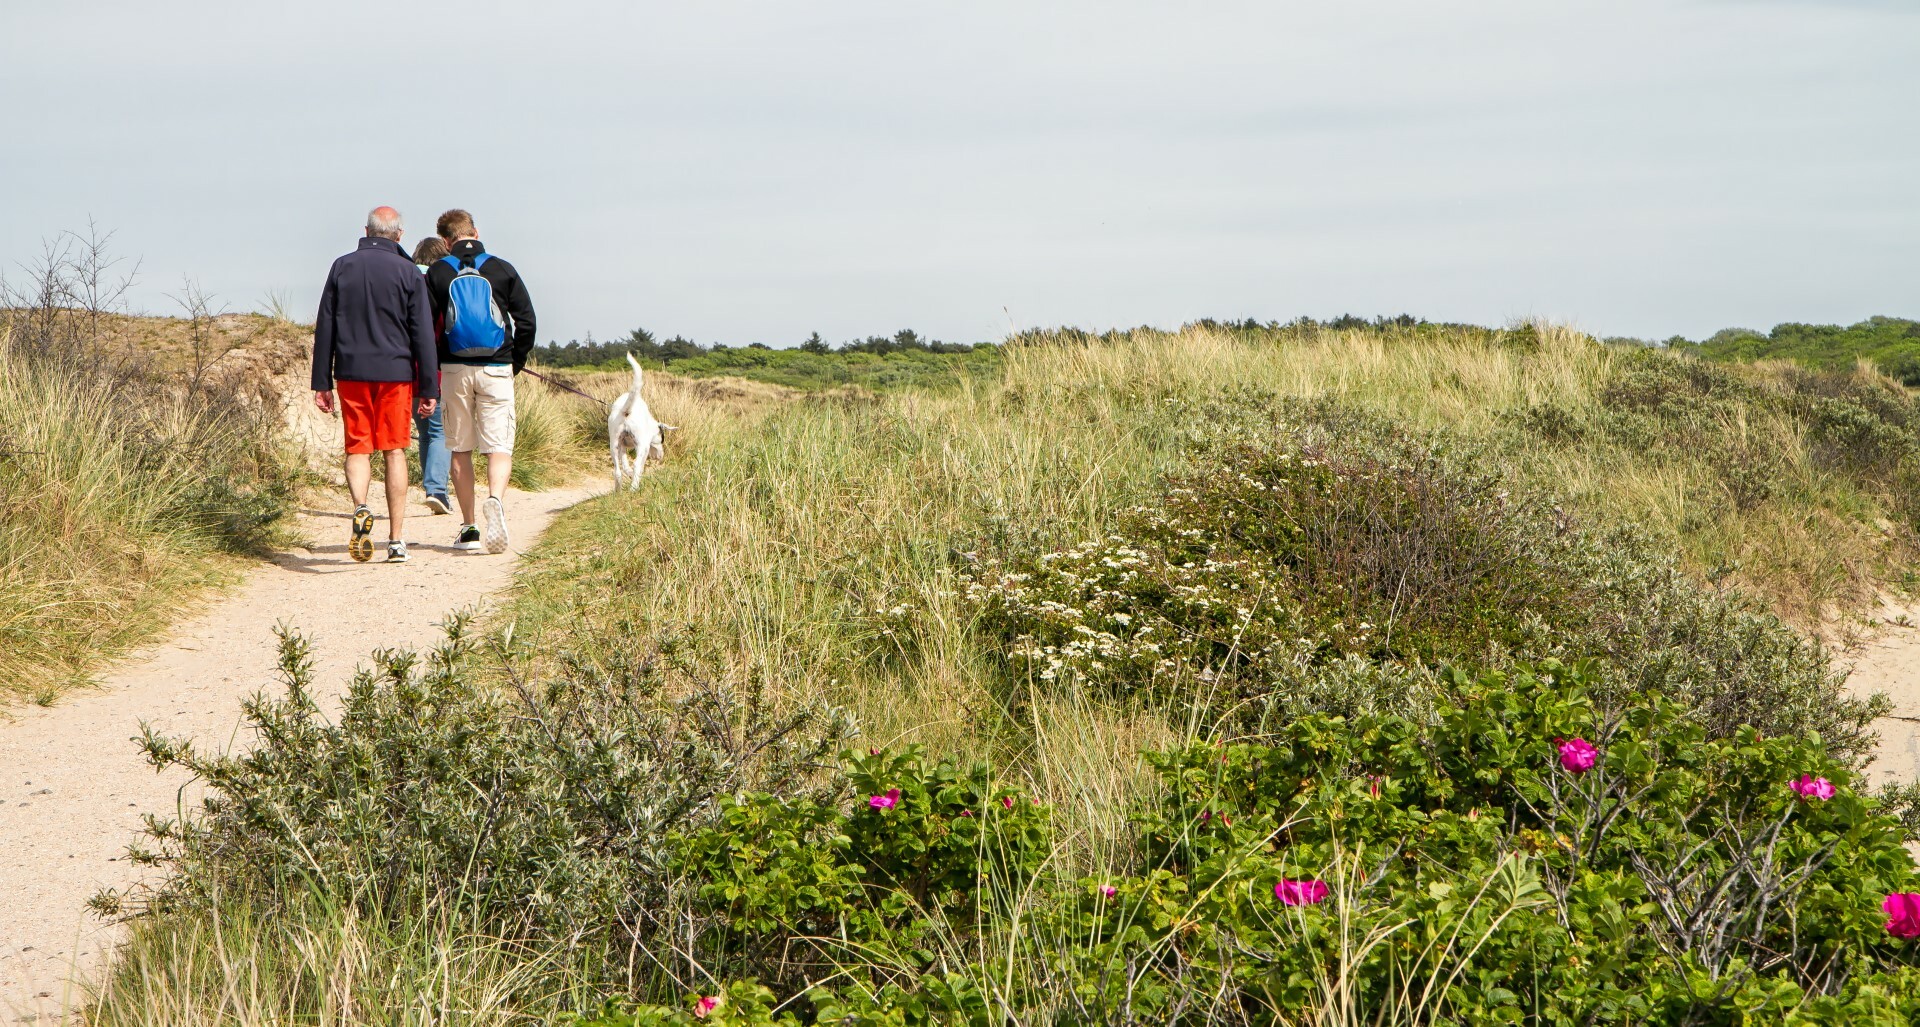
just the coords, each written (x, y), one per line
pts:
(758, 345)
(815, 344)
(679, 348)
(1893, 343)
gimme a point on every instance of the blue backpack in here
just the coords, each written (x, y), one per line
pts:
(475, 326)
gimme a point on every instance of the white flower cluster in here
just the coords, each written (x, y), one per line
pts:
(1110, 612)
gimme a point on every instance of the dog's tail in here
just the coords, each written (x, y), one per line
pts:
(636, 373)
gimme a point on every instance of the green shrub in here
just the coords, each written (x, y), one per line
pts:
(789, 886)
(1339, 568)
(1469, 877)
(540, 812)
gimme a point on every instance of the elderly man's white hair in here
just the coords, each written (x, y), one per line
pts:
(384, 222)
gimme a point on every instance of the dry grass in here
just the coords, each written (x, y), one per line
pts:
(116, 498)
(316, 963)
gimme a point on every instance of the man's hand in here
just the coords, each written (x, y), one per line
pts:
(324, 400)
(426, 407)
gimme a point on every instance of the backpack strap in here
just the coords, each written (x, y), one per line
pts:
(473, 262)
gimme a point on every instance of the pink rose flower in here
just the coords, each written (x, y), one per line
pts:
(1109, 890)
(1007, 801)
(1903, 914)
(1810, 787)
(1300, 893)
(966, 813)
(887, 801)
(1578, 755)
(707, 1004)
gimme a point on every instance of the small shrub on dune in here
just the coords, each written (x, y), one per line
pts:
(1340, 570)
(540, 810)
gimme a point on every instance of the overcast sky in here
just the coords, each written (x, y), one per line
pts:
(756, 171)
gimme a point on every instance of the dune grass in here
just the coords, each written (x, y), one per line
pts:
(115, 496)
(323, 962)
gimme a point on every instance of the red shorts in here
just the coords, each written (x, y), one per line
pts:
(378, 415)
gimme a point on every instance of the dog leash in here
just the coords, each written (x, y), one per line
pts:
(562, 385)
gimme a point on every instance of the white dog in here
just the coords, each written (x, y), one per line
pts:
(631, 427)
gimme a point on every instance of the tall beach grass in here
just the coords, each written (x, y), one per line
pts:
(115, 494)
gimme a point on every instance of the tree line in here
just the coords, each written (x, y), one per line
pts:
(645, 346)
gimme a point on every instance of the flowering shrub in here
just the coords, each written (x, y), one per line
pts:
(1282, 561)
(1456, 870)
(784, 877)
(1323, 571)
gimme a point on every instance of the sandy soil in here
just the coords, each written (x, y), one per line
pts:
(73, 784)
(1890, 662)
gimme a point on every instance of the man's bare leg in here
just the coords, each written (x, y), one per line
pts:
(359, 477)
(499, 471)
(396, 492)
(359, 481)
(462, 473)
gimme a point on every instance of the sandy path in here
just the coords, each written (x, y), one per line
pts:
(1890, 663)
(73, 785)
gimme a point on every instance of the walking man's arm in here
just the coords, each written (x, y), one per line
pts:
(520, 308)
(323, 339)
(426, 357)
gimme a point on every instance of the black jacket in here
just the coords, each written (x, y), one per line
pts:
(508, 291)
(375, 324)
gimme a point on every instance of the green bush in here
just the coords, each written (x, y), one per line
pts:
(1338, 569)
(540, 811)
(1469, 876)
(789, 886)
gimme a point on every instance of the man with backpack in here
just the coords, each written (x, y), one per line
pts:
(486, 333)
(373, 355)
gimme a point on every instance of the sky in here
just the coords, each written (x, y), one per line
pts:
(743, 172)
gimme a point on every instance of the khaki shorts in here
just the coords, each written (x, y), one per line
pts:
(477, 404)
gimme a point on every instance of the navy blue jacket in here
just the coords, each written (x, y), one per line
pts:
(508, 290)
(375, 324)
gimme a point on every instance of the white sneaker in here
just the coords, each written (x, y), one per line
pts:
(495, 535)
(468, 540)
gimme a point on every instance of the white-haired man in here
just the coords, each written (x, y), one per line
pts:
(373, 348)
